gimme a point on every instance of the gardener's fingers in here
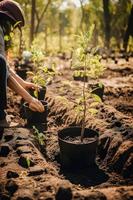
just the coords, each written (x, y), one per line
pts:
(29, 85)
(36, 105)
(35, 87)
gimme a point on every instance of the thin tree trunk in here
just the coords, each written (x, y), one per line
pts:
(129, 30)
(20, 45)
(39, 19)
(32, 28)
(84, 106)
(60, 33)
(106, 22)
(82, 18)
(46, 37)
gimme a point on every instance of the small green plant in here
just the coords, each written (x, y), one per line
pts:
(92, 67)
(39, 136)
(28, 162)
(9, 33)
(41, 75)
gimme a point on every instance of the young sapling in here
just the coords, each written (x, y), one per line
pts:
(92, 68)
(40, 75)
(39, 136)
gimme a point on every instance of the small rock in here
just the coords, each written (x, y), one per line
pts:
(64, 193)
(24, 195)
(127, 171)
(1, 132)
(23, 149)
(26, 161)
(122, 155)
(12, 174)
(24, 198)
(36, 170)
(21, 138)
(104, 142)
(113, 147)
(96, 195)
(2, 164)
(5, 197)
(116, 123)
(8, 137)
(11, 186)
(21, 143)
(4, 150)
(90, 195)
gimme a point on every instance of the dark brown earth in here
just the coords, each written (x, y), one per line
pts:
(30, 171)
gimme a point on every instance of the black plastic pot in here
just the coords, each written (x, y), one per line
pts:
(36, 117)
(1, 132)
(80, 155)
(98, 90)
(22, 73)
(41, 93)
(80, 78)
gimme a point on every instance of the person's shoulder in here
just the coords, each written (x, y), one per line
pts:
(2, 43)
(1, 30)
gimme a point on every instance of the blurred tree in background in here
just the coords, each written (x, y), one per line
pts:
(52, 24)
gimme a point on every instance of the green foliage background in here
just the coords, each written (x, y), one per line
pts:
(70, 19)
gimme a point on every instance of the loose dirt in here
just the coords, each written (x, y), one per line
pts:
(30, 171)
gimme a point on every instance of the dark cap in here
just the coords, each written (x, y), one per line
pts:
(12, 10)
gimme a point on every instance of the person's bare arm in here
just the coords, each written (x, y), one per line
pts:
(26, 85)
(34, 104)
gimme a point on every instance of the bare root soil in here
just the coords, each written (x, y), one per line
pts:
(32, 171)
(77, 140)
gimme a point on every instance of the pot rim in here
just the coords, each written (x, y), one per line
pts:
(79, 144)
(26, 104)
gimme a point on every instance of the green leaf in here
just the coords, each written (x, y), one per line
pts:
(93, 111)
(16, 24)
(6, 38)
(53, 67)
(100, 85)
(29, 73)
(28, 162)
(94, 104)
(96, 98)
(36, 93)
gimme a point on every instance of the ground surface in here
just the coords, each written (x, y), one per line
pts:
(31, 171)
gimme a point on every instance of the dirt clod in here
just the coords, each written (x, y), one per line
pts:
(4, 150)
(64, 192)
(36, 170)
(12, 174)
(11, 186)
(8, 137)
(122, 155)
(26, 161)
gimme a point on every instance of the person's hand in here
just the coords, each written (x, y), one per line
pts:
(36, 105)
(28, 85)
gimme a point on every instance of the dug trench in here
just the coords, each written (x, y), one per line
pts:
(31, 171)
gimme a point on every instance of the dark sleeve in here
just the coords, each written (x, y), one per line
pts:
(2, 48)
(2, 43)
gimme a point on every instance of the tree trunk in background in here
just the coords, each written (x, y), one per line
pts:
(32, 28)
(82, 18)
(106, 22)
(39, 18)
(46, 39)
(129, 30)
(60, 32)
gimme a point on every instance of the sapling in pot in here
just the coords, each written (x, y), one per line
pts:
(41, 75)
(92, 68)
(82, 153)
(37, 77)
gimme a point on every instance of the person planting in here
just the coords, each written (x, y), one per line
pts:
(11, 17)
